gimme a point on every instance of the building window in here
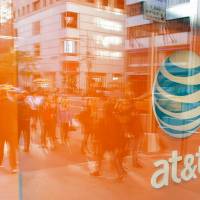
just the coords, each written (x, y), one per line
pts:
(14, 15)
(36, 28)
(96, 81)
(174, 3)
(44, 3)
(135, 9)
(119, 4)
(71, 47)
(104, 2)
(18, 12)
(23, 10)
(170, 27)
(91, 1)
(36, 5)
(141, 60)
(108, 41)
(69, 19)
(15, 32)
(28, 8)
(116, 77)
(108, 24)
(105, 54)
(70, 75)
(116, 82)
(37, 49)
(70, 66)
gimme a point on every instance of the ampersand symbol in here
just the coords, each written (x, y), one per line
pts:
(189, 171)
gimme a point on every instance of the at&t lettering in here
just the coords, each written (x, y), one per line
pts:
(167, 168)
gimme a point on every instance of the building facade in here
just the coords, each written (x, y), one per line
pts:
(149, 42)
(7, 63)
(6, 28)
(78, 44)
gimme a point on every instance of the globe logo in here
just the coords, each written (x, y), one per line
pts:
(176, 94)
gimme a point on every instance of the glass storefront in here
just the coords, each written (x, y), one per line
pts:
(99, 99)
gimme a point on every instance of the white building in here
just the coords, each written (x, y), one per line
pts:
(5, 10)
(79, 43)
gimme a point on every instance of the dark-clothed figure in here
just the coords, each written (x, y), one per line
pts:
(110, 137)
(132, 128)
(48, 124)
(8, 129)
(64, 119)
(137, 132)
(86, 122)
(36, 104)
(53, 104)
(24, 114)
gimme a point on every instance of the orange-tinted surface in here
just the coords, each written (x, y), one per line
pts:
(98, 144)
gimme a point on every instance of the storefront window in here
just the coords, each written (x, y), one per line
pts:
(100, 99)
(95, 83)
(70, 76)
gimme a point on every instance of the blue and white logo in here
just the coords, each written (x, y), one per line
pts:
(176, 94)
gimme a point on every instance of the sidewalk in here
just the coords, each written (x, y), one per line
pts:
(74, 183)
(8, 185)
(64, 174)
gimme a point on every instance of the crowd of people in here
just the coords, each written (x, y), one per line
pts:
(23, 113)
(109, 125)
(49, 112)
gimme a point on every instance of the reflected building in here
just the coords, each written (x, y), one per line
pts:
(79, 44)
(5, 10)
(6, 28)
(149, 42)
(7, 67)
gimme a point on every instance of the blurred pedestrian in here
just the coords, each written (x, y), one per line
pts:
(36, 102)
(137, 133)
(24, 115)
(130, 120)
(110, 139)
(48, 117)
(64, 119)
(8, 128)
(85, 118)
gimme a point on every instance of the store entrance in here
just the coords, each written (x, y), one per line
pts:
(96, 83)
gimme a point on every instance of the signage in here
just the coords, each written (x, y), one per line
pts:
(155, 10)
(176, 95)
(170, 167)
(176, 105)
